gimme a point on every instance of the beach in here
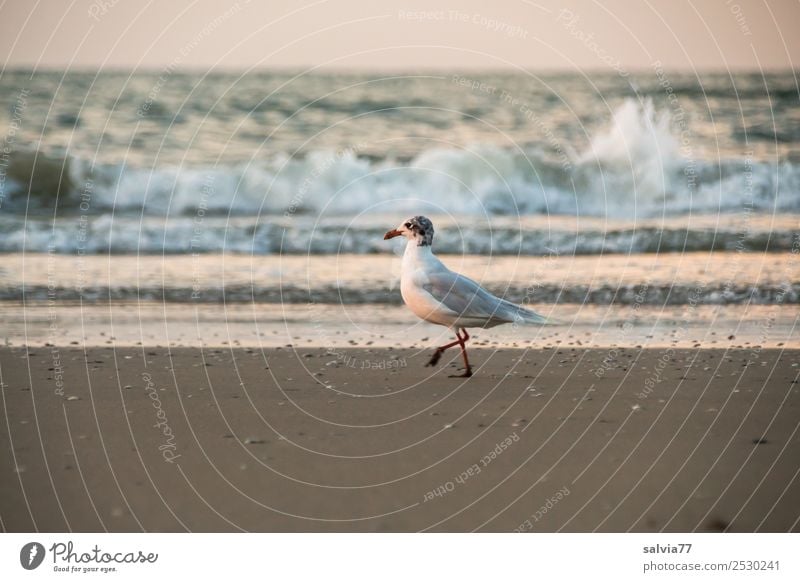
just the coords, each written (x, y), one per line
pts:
(369, 439)
(202, 327)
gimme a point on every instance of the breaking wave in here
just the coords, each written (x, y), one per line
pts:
(639, 167)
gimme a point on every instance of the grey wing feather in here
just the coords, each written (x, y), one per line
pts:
(465, 297)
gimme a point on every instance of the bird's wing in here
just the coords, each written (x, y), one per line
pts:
(464, 296)
(469, 300)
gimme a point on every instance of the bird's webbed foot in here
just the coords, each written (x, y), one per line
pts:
(435, 358)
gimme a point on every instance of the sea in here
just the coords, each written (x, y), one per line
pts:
(599, 197)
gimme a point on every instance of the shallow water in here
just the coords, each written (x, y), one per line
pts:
(720, 278)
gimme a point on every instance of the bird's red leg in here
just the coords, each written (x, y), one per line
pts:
(440, 350)
(462, 342)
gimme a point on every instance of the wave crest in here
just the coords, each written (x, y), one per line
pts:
(639, 166)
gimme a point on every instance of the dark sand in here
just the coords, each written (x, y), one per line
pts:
(265, 445)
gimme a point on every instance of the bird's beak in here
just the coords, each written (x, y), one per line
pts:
(391, 234)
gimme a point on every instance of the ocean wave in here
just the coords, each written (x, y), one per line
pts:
(480, 181)
(638, 166)
(306, 235)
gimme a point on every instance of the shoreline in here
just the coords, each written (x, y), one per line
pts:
(335, 326)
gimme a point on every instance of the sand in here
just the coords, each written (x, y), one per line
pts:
(559, 439)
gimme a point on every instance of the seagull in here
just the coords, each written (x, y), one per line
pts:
(438, 295)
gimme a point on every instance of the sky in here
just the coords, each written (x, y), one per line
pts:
(409, 35)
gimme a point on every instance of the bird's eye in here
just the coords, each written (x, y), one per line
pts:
(407, 225)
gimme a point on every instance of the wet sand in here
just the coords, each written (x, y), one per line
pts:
(335, 326)
(368, 439)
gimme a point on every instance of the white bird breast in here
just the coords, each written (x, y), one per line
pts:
(421, 303)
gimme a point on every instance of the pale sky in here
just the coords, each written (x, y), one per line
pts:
(407, 35)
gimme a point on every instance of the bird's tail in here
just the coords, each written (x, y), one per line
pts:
(521, 315)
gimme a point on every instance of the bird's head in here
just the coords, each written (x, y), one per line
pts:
(416, 228)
